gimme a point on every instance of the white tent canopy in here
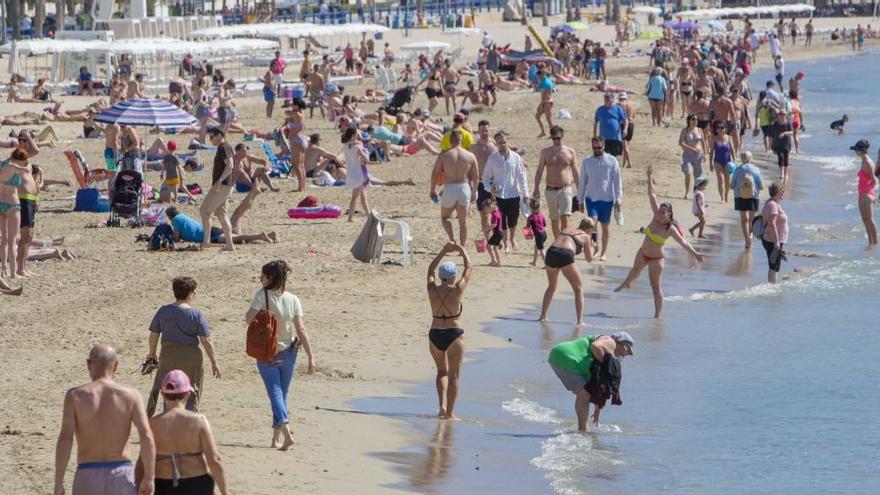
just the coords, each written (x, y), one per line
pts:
(297, 30)
(647, 10)
(137, 46)
(426, 45)
(750, 11)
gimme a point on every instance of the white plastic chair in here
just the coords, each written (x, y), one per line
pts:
(381, 78)
(394, 230)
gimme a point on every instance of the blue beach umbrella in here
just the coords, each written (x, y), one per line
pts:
(146, 112)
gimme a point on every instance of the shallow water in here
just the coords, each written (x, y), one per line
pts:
(744, 388)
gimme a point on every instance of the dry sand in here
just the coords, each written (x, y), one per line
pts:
(368, 323)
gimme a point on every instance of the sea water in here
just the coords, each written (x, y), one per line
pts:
(744, 388)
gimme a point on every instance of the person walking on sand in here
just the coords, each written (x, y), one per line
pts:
(650, 254)
(692, 143)
(572, 362)
(609, 123)
(505, 178)
(446, 334)
(747, 184)
(458, 167)
(217, 198)
(560, 258)
(277, 375)
(181, 328)
(483, 148)
(99, 415)
(545, 106)
(600, 189)
(560, 162)
(187, 460)
(358, 177)
(866, 189)
(630, 110)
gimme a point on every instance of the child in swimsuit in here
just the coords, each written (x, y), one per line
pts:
(538, 224)
(494, 233)
(699, 206)
(838, 125)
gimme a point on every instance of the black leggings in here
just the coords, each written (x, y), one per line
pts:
(774, 265)
(782, 158)
(200, 485)
(509, 209)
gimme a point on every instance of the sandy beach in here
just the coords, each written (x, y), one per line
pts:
(368, 323)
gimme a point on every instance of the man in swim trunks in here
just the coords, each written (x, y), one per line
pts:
(600, 189)
(459, 170)
(111, 146)
(451, 76)
(99, 415)
(560, 163)
(315, 84)
(482, 149)
(488, 82)
(742, 121)
(572, 362)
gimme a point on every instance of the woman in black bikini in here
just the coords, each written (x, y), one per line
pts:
(560, 258)
(447, 345)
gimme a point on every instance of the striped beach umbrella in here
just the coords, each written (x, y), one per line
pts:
(146, 112)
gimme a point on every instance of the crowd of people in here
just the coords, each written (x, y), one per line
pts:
(704, 83)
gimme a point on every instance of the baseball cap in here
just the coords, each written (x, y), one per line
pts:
(171, 145)
(862, 146)
(622, 96)
(623, 338)
(609, 95)
(447, 270)
(364, 135)
(700, 181)
(176, 382)
(459, 118)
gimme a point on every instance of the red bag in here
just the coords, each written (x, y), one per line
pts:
(308, 202)
(262, 343)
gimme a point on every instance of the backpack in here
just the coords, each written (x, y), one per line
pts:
(758, 227)
(262, 333)
(162, 238)
(747, 186)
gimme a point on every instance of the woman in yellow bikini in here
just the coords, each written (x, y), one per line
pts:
(661, 228)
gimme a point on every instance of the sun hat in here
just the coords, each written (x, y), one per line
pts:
(861, 146)
(176, 382)
(623, 338)
(699, 181)
(447, 270)
(622, 96)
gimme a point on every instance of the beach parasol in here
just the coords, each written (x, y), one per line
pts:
(570, 27)
(146, 112)
(682, 25)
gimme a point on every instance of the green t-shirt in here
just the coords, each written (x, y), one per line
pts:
(764, 116)
(574, 355)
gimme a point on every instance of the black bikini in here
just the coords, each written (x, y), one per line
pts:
(442, 338)
(558, 257)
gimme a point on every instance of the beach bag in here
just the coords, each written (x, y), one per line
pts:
(747, 186)
(307, 202)
(162, 238)
(262, 334)
(758, 227)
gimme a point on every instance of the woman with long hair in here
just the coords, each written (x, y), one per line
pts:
(560, 258)
(721, 154)
(358, 177)
(691, 141)
(650, 254)
(296, 133)
(867, 193)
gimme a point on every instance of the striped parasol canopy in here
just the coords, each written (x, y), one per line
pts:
(146, 112)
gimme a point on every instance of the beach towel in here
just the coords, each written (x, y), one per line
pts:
(184, 357)
(366, 248)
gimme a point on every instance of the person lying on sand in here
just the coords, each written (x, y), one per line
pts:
(190, 230)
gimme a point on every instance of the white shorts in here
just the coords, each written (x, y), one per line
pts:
(558, 202)
(278, 79)
(456, 193)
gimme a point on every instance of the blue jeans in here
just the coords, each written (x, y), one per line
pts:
(277, 379)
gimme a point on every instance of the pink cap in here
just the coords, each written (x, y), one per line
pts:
(801, 74)
(176, 382)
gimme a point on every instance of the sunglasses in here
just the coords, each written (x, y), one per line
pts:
(556, 138)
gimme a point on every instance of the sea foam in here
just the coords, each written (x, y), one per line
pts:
(531, 411)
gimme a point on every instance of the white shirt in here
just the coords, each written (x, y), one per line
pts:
(285, 307)
(775, 48)
(487, 41)
(600, 179)
(505, 178)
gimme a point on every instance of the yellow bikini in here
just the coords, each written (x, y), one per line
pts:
(656, 238)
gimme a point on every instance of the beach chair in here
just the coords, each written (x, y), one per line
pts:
(393, 230)
(280, 167)
(85, 177)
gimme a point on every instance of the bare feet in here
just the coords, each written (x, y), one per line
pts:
(580, 324)
(621, 287)
(273, 237)
(603, 258)
(227, 248)
(13, 292)
(543, 318)
(441, 413)
(451, 417)
(59, 241)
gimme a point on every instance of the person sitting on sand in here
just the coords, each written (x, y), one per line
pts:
(99, 415)
(476, 96)
(190, 230)
(560, 258)
(317, 158)
(248, 180)
(187, 460)
(182, 329)
(291, 335)
(41, 93)
(650, 254)
(446, 334)
(573, 362)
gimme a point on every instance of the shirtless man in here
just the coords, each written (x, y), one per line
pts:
(721, 109)
(100, 414)
(700, 109)
(226, 107)
(488, 82)
(741, 118)
(451, 77)
(136, 87)
(460, 171)
(111, 145)
(483, 148)
(315, 84)
(630, 109)
(248, 180)
(560, 162)
(473, 94)
(317, 158)
(705, 82)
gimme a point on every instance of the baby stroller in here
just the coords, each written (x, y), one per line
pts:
(400, 98)
(125, 198)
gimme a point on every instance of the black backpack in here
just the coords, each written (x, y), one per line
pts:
(162, 238)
